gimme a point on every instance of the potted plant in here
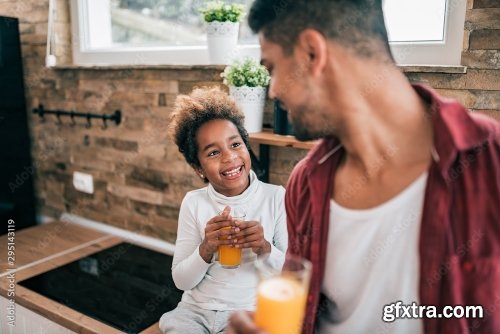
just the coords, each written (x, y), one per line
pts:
(223, 23)
(247, 81)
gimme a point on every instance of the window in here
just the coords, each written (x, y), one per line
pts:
(136, 32)
(112, 32)
(425, 31)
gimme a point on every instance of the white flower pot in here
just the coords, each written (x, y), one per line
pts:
(251, 101)
(222, 38)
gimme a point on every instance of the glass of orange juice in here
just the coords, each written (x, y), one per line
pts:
(230, 257)
(282, 295)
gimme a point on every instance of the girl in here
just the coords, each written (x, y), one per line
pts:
(207, 126)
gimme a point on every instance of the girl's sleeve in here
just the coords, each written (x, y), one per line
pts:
(188, 267)
(279, 243)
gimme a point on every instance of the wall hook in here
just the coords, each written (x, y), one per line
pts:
(72, 115)
(58, 115)
(116, 117)
(104, 124)
(41, 113)
(89, 123)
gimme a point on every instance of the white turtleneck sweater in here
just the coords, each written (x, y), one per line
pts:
(208, 285)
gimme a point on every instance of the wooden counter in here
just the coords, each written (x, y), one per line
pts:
(43, 241)
(44, 247)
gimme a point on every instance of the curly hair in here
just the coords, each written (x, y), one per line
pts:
(193, 110)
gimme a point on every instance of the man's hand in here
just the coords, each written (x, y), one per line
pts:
(213, 233)
(250, 234)
(241, 322)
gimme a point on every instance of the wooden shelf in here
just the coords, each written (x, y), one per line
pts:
(266, 139)
(272, 139)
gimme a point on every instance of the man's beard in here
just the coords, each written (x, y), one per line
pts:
(304, 133)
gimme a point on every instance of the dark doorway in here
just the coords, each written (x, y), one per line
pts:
(17, 199)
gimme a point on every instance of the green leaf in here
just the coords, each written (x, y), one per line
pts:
(246, 73)
(219, 11)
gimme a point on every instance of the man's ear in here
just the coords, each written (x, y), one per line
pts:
(314, 48)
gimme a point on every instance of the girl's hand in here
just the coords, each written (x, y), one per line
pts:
(213, 231)
(250, 234)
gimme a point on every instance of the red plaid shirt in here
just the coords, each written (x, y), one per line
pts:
(460, 232)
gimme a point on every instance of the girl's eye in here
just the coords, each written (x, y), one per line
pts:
(236, 145)
(213, 153)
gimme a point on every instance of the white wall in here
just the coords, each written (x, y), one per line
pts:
(27, 322)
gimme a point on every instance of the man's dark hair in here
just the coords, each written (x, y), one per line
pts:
(356, 24)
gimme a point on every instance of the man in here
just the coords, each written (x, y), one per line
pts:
(399, 203)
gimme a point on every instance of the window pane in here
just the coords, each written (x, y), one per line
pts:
(410, 20)
(164, 23)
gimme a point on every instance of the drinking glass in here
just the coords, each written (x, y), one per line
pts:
(282, 295)
(230, 257)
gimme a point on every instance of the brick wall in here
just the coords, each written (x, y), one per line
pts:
(479, 88)
(139, 177)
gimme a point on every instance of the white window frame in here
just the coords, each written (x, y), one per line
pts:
(447, 52)
(168, 55)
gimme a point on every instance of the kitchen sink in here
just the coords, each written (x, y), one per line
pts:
(126, 286)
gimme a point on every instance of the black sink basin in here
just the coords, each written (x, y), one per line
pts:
(127, 287)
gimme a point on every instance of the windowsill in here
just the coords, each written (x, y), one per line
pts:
(451, 69)
(455, 69)
(139, 67)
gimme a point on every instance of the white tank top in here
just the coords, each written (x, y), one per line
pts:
(373, 260)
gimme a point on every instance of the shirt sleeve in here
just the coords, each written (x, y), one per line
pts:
(279, 243)
(296, 184)
(188, 267)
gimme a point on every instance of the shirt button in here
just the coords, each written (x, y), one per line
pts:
(468, 266)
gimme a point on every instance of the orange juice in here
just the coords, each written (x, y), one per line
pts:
(229, 257)
(280, 305)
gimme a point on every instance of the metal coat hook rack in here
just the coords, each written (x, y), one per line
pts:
(115, 117)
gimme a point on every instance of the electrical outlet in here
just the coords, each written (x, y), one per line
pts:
(83, 182)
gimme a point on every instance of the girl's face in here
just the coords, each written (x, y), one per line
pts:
(223, 157)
